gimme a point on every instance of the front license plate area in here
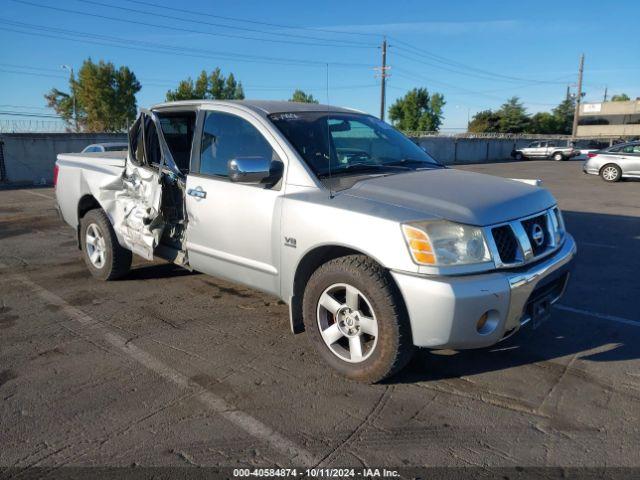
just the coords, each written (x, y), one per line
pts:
(540, 311)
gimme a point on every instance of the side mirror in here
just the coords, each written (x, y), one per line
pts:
(254, 170)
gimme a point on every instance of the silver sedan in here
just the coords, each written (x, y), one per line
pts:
(615, 163)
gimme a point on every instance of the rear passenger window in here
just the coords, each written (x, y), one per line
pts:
(178, 128)
(153, 155)
(136, 142)
(226, 137)
(631, 149)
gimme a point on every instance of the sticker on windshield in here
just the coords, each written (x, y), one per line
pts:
(284, 116)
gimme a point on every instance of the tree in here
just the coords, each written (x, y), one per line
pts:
(564, 113)
(623, 97)
(300, 96)
(513, 116)
(486, 121)
(105, 97)
(543, 122)
(214, 86)
(418, 111)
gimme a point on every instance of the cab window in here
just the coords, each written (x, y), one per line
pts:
(226, 137)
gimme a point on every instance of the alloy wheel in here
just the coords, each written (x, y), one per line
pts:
(610, 173)
(95, 245)
(347, 323)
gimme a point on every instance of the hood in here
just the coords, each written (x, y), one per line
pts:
(456, 195)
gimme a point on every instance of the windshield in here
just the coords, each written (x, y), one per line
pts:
(345, 143)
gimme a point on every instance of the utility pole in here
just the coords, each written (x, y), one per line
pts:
(606, 90)
(383, 77)
(578, 98)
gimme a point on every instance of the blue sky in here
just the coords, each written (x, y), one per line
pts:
(476, 53)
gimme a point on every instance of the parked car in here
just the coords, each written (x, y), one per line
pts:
(106, 147)
(585, 147)
(545, 149)
(376, 248)
(615, 163)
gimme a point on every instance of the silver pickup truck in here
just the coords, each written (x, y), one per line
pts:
(545, 149)
(376, 247)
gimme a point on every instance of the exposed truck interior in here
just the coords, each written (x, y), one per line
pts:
(154, 184)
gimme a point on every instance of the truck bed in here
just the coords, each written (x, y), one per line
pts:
(114, 159)
(81, 174)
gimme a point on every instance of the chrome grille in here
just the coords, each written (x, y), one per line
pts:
(506, 243)
(526, 239)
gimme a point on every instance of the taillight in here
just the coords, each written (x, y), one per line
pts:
(55, 174)
(592, 154)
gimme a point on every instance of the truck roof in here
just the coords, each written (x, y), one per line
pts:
(263, 107)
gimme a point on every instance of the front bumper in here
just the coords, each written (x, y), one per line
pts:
(590, 169)
(444, 311)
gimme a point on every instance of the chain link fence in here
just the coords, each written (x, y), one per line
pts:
(32, 126)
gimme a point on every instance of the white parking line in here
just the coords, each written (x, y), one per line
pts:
(601, 316)
(38, 194)
(246, 422)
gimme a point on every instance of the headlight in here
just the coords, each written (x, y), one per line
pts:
(557, 223)
(443, 243)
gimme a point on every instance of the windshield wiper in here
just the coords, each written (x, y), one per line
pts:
(360, 167)
(414, 161)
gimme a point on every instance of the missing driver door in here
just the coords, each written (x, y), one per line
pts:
(138, 219)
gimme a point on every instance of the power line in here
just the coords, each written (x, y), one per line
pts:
(462, 66)
(255, 22)
(171, 83)
(412, 76)
(30, 114)
(478, 75)
(6, 105)
(154, 47)
(202, 22)
(167, 27)
(34, 74)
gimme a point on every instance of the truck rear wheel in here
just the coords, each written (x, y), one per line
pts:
(105, 258)
(355, 318)
(558, 157)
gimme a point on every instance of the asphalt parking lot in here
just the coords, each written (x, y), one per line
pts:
(172, 368)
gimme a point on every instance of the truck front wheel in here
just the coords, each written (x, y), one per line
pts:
(356, 319)
(105, 258)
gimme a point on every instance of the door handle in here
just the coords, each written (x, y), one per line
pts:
(197, 192)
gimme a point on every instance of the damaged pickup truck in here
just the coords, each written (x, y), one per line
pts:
(376, 247)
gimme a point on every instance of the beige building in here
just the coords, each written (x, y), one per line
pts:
(609, 119)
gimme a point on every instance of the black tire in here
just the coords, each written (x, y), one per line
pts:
(605, 173)
(518, 156)
(394, 347)
(558, 157)
(117, 260)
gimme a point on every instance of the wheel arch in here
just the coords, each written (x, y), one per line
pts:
(308, 264)
(86, 203)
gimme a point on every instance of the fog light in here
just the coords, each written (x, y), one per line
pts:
(487, 322)
(482, 322)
